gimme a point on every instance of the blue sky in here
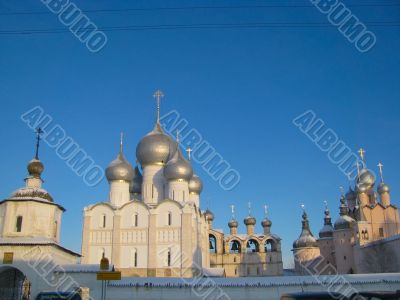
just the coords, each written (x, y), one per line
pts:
(240, 88)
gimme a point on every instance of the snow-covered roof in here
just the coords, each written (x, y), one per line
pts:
(214, 272)
(34, 241)
(260, 281)
(80, 268)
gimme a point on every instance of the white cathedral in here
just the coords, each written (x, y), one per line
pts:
(151, 224)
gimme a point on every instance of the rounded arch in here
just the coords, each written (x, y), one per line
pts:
(235, 246)
(14, 284)
(252, 245)
(270, 245)
(212, 241)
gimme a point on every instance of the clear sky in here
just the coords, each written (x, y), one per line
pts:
(239, 87)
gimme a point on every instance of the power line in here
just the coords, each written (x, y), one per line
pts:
(197, 8)
(286, 25)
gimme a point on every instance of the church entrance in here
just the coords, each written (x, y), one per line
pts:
(14, 285)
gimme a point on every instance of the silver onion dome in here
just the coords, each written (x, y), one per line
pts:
(195, 185)
(209, 215)
(249, 220)
(327, 229)
(363, 188)
(135, 186)
(155, 148)
(344, 221)
(306, 238)
(383, 188)
(366, 178)
(119, 169)
(266, 222)
(35, 168)
(233, 223)
(178, 168)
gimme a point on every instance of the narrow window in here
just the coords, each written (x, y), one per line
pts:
(235, 271)
(18, 225)
(344, 257)
(381, 232)
(169, 219)
(234, 259)
(104, 221)
(173, 195)
(135, 220)
(135, 259)
(169, 258)
(152, 191)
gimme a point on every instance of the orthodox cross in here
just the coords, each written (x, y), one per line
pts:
(158, 95)
(121, 141)
(266, 210)
(326, 204)
(189, 152)
(362, 154)
(380, 166)
(39, 132)
(233, 211)
(303, 207)
(249, 207)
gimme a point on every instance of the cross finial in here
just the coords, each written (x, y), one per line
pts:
(326, 204)
(361, 151)
(158, 95)
(303, 207)
(341, 190)
(266, 210)
(121, 141)
(39, 132)
(177, 136)
(189, 152)
(233, 211)
(249, 207)
(380, 166)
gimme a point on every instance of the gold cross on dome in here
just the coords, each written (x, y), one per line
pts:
(362, 153)
(380, 166)
(189, 152)
(158, 95)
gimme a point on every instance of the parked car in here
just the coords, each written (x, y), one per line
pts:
(314, 296)
(58, 296)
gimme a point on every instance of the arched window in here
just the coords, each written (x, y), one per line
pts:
(169, 218)
(252, 246)
(212, 243)
(270, 246)
(135, 220)
(18, 224)
(234, 246)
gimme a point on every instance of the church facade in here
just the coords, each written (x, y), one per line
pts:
(364, 239)
(152, 224)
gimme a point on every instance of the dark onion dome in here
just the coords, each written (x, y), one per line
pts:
(195, 185)
(155, 148)
(351, 195)
(119, 169)
(327, 230)
(178, 168)
(344, 221)
(233, 223)
(135, 186)
(383, 188)
(366, 178)
(266, 222)
(209, 215)
(306, 238)
(35, 168)
(249, 220)
(31, 193)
